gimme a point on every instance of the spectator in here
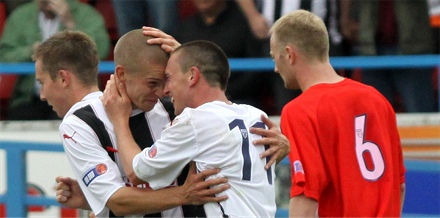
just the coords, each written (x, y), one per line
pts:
(261, 14)
(31, 24)
(346, 156)
(133, 14)
(397, 28)
(222, 22)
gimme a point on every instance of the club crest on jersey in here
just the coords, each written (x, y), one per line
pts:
(152, 151)
(297, 167)
(94, 172)
(244, 133)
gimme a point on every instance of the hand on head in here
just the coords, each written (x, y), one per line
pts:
(167, 42)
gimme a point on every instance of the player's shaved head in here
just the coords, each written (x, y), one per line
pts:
(134, 53)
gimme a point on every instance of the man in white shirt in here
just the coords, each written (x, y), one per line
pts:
(67, 68)
(209, 130)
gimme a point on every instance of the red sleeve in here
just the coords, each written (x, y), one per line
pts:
(307, 171)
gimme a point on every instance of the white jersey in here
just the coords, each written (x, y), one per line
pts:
(97, 174)
(215, 135)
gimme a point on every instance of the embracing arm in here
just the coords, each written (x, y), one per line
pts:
(118, 108)
(195, 191)
(131, 200)
(279, 144)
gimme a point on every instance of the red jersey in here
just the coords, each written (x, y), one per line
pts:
(345, 150)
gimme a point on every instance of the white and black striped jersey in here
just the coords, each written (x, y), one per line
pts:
(90, 145)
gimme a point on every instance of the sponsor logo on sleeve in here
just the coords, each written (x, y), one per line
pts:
(297, 167)
(152, 151)
(93, 173)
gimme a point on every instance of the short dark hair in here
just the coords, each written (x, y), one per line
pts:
(134, 53)
(70, 50)
(209, 58)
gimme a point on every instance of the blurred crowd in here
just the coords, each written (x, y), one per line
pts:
(241, 29)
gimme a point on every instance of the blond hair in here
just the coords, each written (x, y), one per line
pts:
(304, 30)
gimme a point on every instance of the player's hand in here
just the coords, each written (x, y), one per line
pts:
(62, 9)
(279, 144)
(198, 191)
(166, 42)
(69, 193)
(116, 102)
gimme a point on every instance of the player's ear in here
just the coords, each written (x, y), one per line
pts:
(64, 76)
(120, 72)
(194, 76)
(291, 53)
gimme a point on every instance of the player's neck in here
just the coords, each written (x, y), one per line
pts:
(316, 74)
(210, 95)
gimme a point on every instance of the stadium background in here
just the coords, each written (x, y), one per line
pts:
(34, 171)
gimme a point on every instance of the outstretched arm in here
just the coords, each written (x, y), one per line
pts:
(279, 144)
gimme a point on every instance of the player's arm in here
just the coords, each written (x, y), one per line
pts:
(130, 200)
(196, 190)
(279, 144)
(402, 196)
(303, 206)
(257, 22)
(69, 194)
(118, 108)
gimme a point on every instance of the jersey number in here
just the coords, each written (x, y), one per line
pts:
(363, 146)
(247, 165)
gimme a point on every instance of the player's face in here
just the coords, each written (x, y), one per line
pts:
(176, 83)
(46, 6)
(145, 88)
(282, 63)
(52, 91)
